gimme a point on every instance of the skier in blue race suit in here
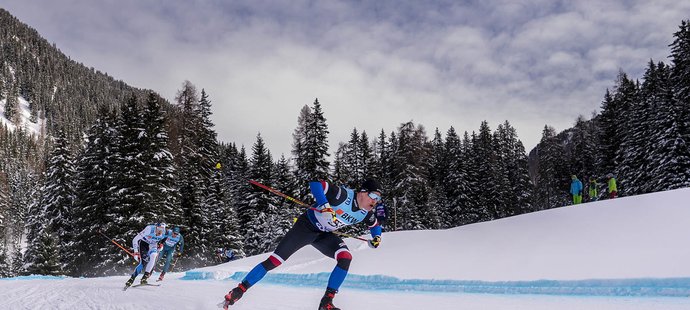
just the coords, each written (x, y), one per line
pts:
(145, 245)
(174, 240)
(335, 208)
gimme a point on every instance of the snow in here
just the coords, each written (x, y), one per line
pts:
(34, 129)
(626, 253)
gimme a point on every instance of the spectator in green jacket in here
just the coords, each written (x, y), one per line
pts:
(613, 189)
(593, 191)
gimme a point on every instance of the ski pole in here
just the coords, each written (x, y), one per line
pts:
(275, 191)
(115, 242)
(174, 262)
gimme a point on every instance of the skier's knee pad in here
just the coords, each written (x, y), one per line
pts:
(343, 258)
(272, 262)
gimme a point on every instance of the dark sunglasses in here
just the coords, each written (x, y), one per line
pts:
(374, 196)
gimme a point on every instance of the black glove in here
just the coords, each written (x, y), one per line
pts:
(375, 242)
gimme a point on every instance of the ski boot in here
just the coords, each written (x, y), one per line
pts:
(327, 300)
(145, 278)
(160, 278)
(129, 282)
(235, 294)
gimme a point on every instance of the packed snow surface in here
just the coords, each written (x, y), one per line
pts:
(626, 253)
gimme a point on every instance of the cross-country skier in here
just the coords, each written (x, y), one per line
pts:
(335, 208)
(145, 245)
(174, 240)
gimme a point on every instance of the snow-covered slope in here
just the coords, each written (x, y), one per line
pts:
(627, 253)
(24, 118)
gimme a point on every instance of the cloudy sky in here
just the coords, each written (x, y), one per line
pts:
(372, 64)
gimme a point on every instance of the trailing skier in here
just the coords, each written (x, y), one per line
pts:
(145, 245)
(173, 241)
(335, 208)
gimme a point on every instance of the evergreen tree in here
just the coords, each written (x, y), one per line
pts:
(11, 110)
(547, 177)
(218, 201)
(4, 207)
(236, 220)
(47, 255)
(213, 197)
(89, 256)
(5, 266)
(17, 261)
(513, 163)
(159, 171)
(382, 160)
(285, 182)
(410, 177)
(351, 161)
(613, 109)
(258, 238)
(583, 153)
(197, 159)
(35, 225)
(315, 147)
(59, 195)
(640, 125)
(340, 171)
(299, 153)
(455, 181)
(673, 147)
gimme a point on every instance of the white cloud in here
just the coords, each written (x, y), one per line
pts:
(372, 65)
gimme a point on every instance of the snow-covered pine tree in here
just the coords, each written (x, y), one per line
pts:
(159, 174)
(366, 158)
(22, 180)
(502, 142)
(639, 127)
(315, 147)
(59, 196)
(127, 212)
(674, 146)
(613, 109)
(5, 266)
(212, 187)
(351, 161)
(299, 154)
(47, 260)
(11, 110)
(17, 267)
(438, 162)
(4, 206)
(485, 158)
(219, 215)
(91, 254)
(410, 176)
(454, 182)
(546, 179)
(340, 171)
(196, 162)
(236, 173)
(35, 225)
(512, 155)
(258, 236)
(284, 181)
(583, 152)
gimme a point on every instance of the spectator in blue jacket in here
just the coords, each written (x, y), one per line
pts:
(576, 189)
